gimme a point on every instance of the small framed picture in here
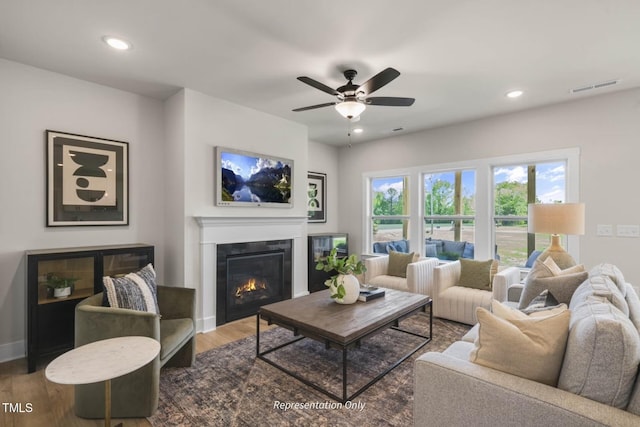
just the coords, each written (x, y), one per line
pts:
(316, 197)
(87, 180)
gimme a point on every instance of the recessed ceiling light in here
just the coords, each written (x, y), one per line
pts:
(358, 130)
(514, 94)
(117, 43)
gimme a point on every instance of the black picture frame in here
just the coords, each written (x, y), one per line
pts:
(87, 180)
(316, 197)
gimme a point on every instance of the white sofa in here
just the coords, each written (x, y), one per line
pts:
(459, 303)
(419, 278)
(598, 385)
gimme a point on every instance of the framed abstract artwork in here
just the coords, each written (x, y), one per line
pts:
(316, 197)
(87, 180)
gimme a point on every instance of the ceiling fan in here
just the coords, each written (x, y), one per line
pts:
(353, 98)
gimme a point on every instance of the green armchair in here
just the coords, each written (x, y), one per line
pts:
(136, 394)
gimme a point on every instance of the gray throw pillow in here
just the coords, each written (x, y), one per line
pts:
(613, 273)
(599, 288)
(544, 301)
(540, 278)
(602, 356)
(398, 263)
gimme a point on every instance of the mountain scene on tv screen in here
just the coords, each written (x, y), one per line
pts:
(254, 179)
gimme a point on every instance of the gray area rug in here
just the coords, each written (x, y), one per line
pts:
(228, 386)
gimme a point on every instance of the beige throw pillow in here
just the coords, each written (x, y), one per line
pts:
(528, 347)
(552, 266)
(398, 262)
(557, 271)
(507, 313)
(477, 274)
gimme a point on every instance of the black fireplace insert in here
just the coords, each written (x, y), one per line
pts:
(251, 274)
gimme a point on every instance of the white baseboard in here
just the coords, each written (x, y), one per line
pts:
(13, 350)
(206, 324)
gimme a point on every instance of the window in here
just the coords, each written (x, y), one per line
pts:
(389, 214)
(514, 188)
(480, 201)
(449, 205)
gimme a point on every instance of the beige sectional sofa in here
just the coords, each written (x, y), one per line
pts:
(598, 383)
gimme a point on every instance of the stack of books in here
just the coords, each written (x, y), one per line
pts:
(369, 293)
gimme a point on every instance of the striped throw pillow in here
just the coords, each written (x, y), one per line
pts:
(135, 291)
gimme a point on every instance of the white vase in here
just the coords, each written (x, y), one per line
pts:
(62, 292)
(351, 288)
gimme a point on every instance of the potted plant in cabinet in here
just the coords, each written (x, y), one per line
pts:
(344, 286)
(59, 287)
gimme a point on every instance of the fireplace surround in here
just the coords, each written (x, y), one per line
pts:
(216, 231)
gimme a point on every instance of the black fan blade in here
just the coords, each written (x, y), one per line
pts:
(390, 101)
(318, 85)
(379, 80)
(313, 107)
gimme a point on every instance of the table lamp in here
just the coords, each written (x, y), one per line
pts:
(557, 219)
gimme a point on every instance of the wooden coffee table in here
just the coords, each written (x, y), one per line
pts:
(318, 317)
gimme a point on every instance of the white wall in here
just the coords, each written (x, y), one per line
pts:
(33, 100)
(175, 191)
(211, 122)
(605, 128)
(324, 158)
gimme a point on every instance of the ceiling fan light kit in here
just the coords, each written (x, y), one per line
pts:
(352, 98)
(350, 109)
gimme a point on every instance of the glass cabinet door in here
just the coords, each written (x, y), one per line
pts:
(58, 279)
(124, 263)
(68, 278)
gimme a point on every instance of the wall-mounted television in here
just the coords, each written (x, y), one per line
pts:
(251, 179)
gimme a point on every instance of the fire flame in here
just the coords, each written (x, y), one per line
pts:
(251, 286)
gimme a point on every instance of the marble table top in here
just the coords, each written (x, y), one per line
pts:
(102, 360)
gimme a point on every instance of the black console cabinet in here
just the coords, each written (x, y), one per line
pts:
(319, 246)
(50, 312)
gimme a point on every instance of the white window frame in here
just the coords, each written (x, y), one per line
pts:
(484, 236)
(370, 217)
(447, 217)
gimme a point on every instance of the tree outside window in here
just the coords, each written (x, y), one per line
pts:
(514, 188)
(390, 209)
(449, 205)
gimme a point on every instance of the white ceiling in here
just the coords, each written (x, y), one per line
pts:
(457, 58)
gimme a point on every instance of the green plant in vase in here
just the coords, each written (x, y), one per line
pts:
(60, 287)
(344, 285)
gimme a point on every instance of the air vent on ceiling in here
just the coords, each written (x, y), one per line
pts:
(594, 86)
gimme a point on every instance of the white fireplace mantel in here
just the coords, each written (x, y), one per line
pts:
(217, 230)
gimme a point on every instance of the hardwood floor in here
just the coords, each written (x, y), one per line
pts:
(52, 404)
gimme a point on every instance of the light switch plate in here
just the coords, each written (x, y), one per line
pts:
(604, 230)
(628, 230)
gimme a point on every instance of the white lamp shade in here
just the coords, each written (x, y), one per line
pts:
(556, 218)
(350, 109)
